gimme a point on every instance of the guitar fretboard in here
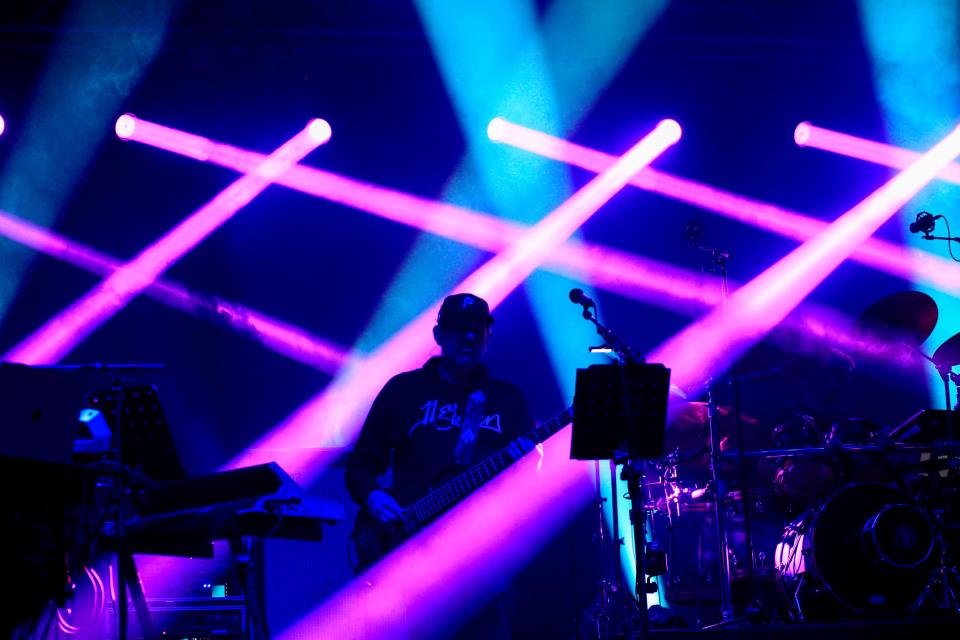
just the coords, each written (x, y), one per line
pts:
(435, 503)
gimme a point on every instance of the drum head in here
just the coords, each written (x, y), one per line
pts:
(873, 548)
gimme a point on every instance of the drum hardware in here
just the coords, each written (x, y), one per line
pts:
(945, 358)
(907, 319)
(944, 368)
(867, 550)
(613, 607)
(726, 595)
(940, 587)
(720, 259)
(933, 448)
(881, 540)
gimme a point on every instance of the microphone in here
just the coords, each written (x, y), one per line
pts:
(693, 232)
(924, 223)
(577, 296)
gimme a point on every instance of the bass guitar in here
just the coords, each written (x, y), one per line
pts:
(371, 539)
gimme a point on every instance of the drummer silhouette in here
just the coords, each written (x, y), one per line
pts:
(820, 416)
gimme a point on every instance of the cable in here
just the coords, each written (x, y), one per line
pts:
(950, 240)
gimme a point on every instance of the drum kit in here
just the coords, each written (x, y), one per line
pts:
(825, 517)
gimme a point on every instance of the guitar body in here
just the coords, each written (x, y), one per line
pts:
(371, 539)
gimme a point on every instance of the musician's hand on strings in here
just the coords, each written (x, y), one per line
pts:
(383, 506)
(521, 447)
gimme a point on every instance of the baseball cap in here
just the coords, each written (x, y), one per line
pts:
(464, 308)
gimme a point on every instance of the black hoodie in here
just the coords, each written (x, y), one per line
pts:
(417, 415)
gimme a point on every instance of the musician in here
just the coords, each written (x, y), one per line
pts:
(819, 417)
(428, 424)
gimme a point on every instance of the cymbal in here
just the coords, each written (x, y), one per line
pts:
(908, 317)
(948, 354)
(690, 430)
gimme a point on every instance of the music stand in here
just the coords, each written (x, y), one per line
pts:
(142, 445)
(620, 410)
(620, 414)
(142, 442)
(141, 433)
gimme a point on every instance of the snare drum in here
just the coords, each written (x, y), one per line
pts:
(868, 549)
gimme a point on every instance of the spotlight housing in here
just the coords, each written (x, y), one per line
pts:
(126, 124)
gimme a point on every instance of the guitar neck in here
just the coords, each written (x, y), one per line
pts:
(436, 502)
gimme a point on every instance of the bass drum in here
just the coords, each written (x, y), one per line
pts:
(867, 550)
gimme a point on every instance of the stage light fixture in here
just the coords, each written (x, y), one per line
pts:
(320, 130)
(125, 126)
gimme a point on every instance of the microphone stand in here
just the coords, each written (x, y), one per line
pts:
(947, 238)
(925, 224)
(625, 354)
(946, 374)
(638, 516)
(720, 262)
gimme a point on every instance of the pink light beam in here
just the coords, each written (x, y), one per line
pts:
(617, 271)
(708, 346)
(627, 274)
(451, 569)
(130, 127)
(809, 135)
(314, 351)
(377, 604)
(301, 346)
(281, 337)
(64, 332)
(333, 417)
(902, 262)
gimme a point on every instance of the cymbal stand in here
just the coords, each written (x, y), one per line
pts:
(946, 374)
(720, 263)
(956, 385)
(943, 576)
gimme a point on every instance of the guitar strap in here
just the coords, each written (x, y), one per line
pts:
(470, 428)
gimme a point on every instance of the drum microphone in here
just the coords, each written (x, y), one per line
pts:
(924, 223)
(577, 296)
